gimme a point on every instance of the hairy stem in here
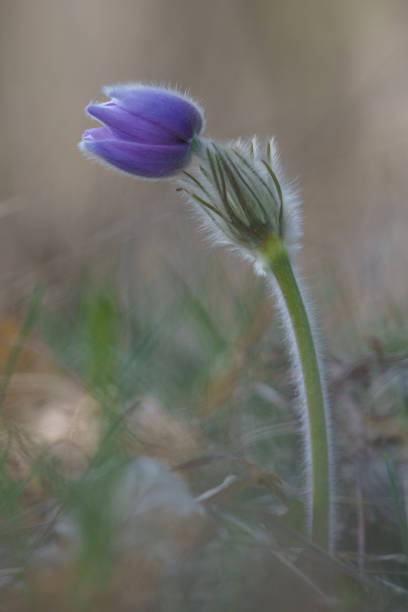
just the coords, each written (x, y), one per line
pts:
(311, 391)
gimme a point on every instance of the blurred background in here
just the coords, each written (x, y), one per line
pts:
(151, 343)
(327, 78)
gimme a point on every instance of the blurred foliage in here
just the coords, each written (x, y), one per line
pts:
(212, 518)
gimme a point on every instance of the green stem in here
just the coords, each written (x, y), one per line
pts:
(316, 426)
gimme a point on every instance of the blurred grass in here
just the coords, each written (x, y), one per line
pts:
(26, 329)
(208, 386)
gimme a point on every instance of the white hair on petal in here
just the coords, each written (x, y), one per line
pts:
(109, 91)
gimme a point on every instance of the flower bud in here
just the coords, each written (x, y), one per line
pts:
(148, 131)
(241, 188)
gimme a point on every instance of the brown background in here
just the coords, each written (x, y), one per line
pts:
(328, 78)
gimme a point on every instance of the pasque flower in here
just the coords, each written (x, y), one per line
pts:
(247, 204)
(147, 131)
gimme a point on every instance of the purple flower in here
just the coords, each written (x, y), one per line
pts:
(147, 131)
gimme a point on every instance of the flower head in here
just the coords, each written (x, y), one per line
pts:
(147, 131)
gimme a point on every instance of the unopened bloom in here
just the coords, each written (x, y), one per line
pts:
(147, 131)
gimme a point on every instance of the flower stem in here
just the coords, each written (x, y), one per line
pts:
(311, 392)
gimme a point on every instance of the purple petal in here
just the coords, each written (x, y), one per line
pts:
(162, 107)
(150, 161)
(127, 125)
(101, 133)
